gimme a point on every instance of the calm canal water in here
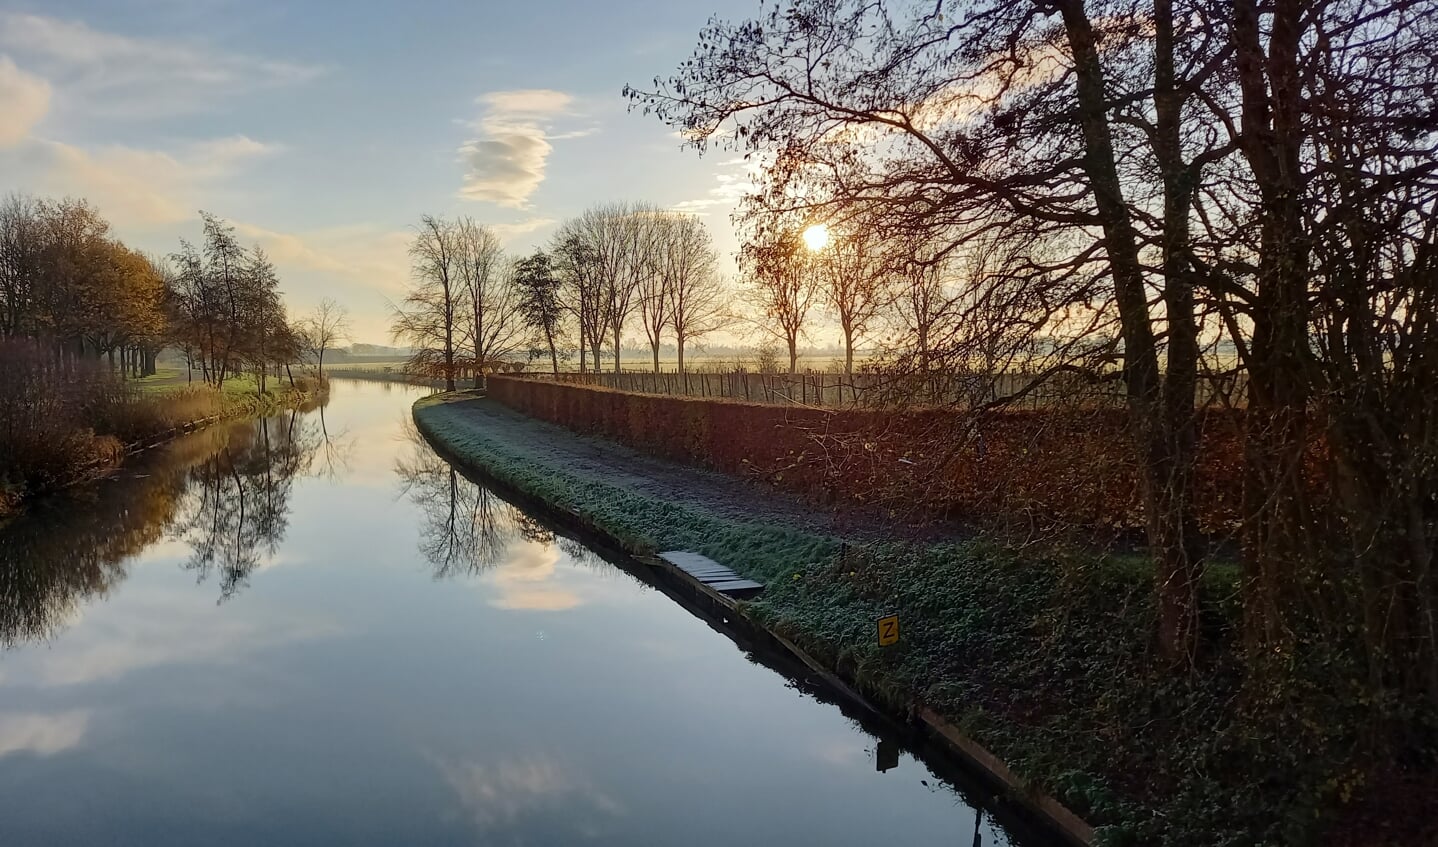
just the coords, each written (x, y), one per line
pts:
(311, 631)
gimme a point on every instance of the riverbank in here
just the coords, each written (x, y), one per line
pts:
(146, 416)
(1041, 657)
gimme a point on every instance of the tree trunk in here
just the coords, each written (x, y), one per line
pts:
(1174, 530)
(793, 342)
(848, 363)
(1279, 381)
(617, 350)
(1165, 484)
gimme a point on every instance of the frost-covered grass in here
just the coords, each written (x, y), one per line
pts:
(1044, 658)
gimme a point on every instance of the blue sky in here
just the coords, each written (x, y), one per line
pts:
(323, 130)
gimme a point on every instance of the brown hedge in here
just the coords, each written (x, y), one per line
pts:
(1061, 466)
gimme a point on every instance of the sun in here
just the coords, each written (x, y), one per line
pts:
(816, 237)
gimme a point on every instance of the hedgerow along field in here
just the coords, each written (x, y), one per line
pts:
(1045, 469)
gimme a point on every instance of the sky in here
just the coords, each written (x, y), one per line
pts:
(323, 130)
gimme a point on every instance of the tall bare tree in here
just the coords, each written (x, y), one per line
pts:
(852, 283)
(783, 287)
(582, 289)
(497, 329)
(432, 316)
(697, 295)
(20, 256)
(654, 250)
(1182, 160)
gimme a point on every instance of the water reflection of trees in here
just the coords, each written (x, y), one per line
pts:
(466, 528)
(61, 553)
(236, 509)
(334, 449)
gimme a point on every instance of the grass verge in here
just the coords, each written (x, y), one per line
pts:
(1042, 657)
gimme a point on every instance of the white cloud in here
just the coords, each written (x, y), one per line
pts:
(24, 101)
(508, 232)
(285, 248)
(362, 266)
(504, 795)
(526, 579)
(505, 161)
(105, 72)
(732, 185)
(531, 101)
(42, 734)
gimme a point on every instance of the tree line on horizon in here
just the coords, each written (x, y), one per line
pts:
(471, 308)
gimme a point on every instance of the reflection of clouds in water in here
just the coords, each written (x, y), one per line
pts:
(504, 795)
(42, 735)
(521, 576)
(162, 629)
(843, 751)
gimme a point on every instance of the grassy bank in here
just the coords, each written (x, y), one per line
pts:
(49, 443)
(1042, 657)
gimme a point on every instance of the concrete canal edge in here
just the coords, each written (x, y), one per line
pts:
(1036, 807)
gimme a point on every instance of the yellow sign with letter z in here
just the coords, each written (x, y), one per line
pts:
(888, 630)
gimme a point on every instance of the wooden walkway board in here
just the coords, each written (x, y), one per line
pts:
(713, 574)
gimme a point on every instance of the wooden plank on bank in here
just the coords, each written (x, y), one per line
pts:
(712, 574)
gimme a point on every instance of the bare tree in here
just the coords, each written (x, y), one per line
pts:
(616, 233)
(497, 328)
(697, 295)
(967, 127)
(654, 251)
(327, 325)
(852, 283)
(20, 256)
(783, 287)
(921, 303)
(581, 289)
(432, 316)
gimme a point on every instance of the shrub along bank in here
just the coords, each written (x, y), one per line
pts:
(59, 429)
(1044, 658)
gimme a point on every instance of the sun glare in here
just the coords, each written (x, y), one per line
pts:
(816, 237)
